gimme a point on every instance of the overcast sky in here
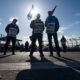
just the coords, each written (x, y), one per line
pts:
(68, 13)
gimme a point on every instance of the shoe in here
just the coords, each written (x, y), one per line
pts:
(13, 54)
(41, 55)
(4, 54)
(30, 55)
(59, 55)
(51, 55)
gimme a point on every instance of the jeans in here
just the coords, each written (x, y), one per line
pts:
(36, 36)
(13, 39)
(54, 35)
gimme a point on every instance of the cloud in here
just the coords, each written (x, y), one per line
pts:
(0, 23)
(24, 39)
(71, 40)
(77, 14)
(66, 36)
(62, 29)
(75, 23)
(11, 19)
(69, 37)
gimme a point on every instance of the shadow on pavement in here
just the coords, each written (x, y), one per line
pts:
(4, 56)
(58, 73)
(69, 62)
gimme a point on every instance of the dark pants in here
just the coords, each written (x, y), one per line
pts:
(13, 39)
(56, 43)
(64, 47)
(36, 36)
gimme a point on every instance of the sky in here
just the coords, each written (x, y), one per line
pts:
(67, 12)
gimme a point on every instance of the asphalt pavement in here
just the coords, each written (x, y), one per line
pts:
(22, 67)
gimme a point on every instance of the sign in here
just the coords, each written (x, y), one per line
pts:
(38, 28)
(12, 32)
(50, 28)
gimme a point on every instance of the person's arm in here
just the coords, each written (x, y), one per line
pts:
(54, 9)
(7, 28)
(57, 25)
(46, 23)
(18, 30)
(43, 25)
(65, 39)
(32, 24)
(61, 40)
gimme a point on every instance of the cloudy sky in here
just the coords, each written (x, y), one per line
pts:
(68, 13)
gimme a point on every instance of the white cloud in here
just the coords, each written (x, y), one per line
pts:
(75, 23)
(71, 39)
(0, 21)
(77, 14)
(24, 39)
(62, 29)
(68, 37)
(11, 19)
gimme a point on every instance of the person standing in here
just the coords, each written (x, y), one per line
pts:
(37, 26)
(63, 43)
(52, 26)
(12, 30)
(26, 46)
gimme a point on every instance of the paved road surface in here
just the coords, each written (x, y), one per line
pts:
(22, 67)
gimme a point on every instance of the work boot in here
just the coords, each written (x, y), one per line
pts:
(58, 53)
(51, 54)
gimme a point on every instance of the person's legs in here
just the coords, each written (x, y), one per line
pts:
(32, 45)
(13, 45)
(56, 44)
(40, 44)
(50, 44)
(64, 47)
(6, 45)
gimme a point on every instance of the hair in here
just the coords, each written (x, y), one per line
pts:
(15, 19)
(50, 12)
(38, 14)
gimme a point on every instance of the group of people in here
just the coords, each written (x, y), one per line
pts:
(51, 24)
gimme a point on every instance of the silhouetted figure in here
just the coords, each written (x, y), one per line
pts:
(30, 38)
(37, 26)
(35, 47)
(22, 47)
(63, 43)
(12, 30)
(52, 26)
(17, 45)
(26, 45)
